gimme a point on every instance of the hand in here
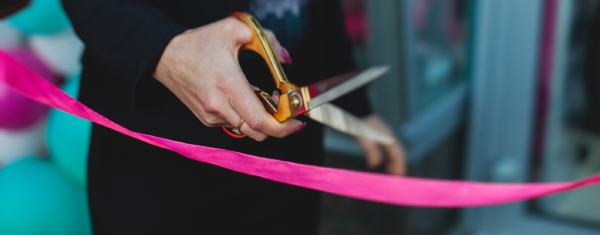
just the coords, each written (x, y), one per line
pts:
(200, 66)
(394, 153)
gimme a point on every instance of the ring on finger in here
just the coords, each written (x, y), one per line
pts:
(235, 132)
(238, 130)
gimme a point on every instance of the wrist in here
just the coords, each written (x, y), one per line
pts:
(162, 67)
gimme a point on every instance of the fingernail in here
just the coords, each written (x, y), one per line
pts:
(286, 56)
(300, 128)
(275, 96)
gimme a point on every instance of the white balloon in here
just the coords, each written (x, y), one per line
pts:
(15, 145)
(62, 51)
(11, 37)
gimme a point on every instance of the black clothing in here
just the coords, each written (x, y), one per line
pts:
(136, 188)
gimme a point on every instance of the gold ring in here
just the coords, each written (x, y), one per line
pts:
(238, 130)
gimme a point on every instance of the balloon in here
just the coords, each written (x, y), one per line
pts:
(62, 52)
(20, 143)
(10, 36)
(69, 139)
(36, 199)
(40, 17)
(18, 111)
(32, 61)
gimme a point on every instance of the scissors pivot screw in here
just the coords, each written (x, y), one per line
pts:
(295, 101)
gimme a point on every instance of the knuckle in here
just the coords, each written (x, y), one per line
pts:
(206, 123)
(225, 86)
(229, 23)
(238, 28)
(255, 123)
(212, 120)
(210, 105)
(200, 117)
(208, 119)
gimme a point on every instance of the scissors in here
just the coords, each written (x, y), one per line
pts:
(311, 100)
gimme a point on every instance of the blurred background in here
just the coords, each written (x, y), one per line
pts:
(480, 90)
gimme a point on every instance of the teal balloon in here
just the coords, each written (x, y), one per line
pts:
(68, 139)
(40, 17)
(36, 199)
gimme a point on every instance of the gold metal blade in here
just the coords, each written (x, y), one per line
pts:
(343, 121)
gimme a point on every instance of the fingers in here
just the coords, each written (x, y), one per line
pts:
(201, 68)
(394, 154)
(280, 52)
(275, 96)
(248, 107)
(207, 118)
(235, 119)
(396, 159)
(374, 158)
(255, 135)
(241, 32)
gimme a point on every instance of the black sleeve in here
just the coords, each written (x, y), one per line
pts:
(338, 57)
(9, 7)
(127, 36)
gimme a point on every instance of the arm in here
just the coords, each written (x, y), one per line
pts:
(8, 7)
(135, 40)
(127, 36)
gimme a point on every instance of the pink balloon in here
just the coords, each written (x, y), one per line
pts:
(17, 111)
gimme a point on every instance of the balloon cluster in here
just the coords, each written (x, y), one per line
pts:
(43, 152)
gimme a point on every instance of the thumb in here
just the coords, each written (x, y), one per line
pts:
(236, 32)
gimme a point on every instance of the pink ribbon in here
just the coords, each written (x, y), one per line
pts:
(367, 186)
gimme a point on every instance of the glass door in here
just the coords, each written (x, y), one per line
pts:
(568, 133)
(423, 96)
(535, 113)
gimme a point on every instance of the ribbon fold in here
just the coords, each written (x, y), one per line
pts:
(394, 190)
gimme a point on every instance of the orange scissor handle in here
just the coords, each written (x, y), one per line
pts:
(260, 44)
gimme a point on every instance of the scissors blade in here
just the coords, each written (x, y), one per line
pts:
(332, 88)
(341, 120)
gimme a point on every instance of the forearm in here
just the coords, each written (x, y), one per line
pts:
(127, 36)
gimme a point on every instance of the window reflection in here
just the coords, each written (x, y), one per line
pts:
(571, 144)
(440, 35)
